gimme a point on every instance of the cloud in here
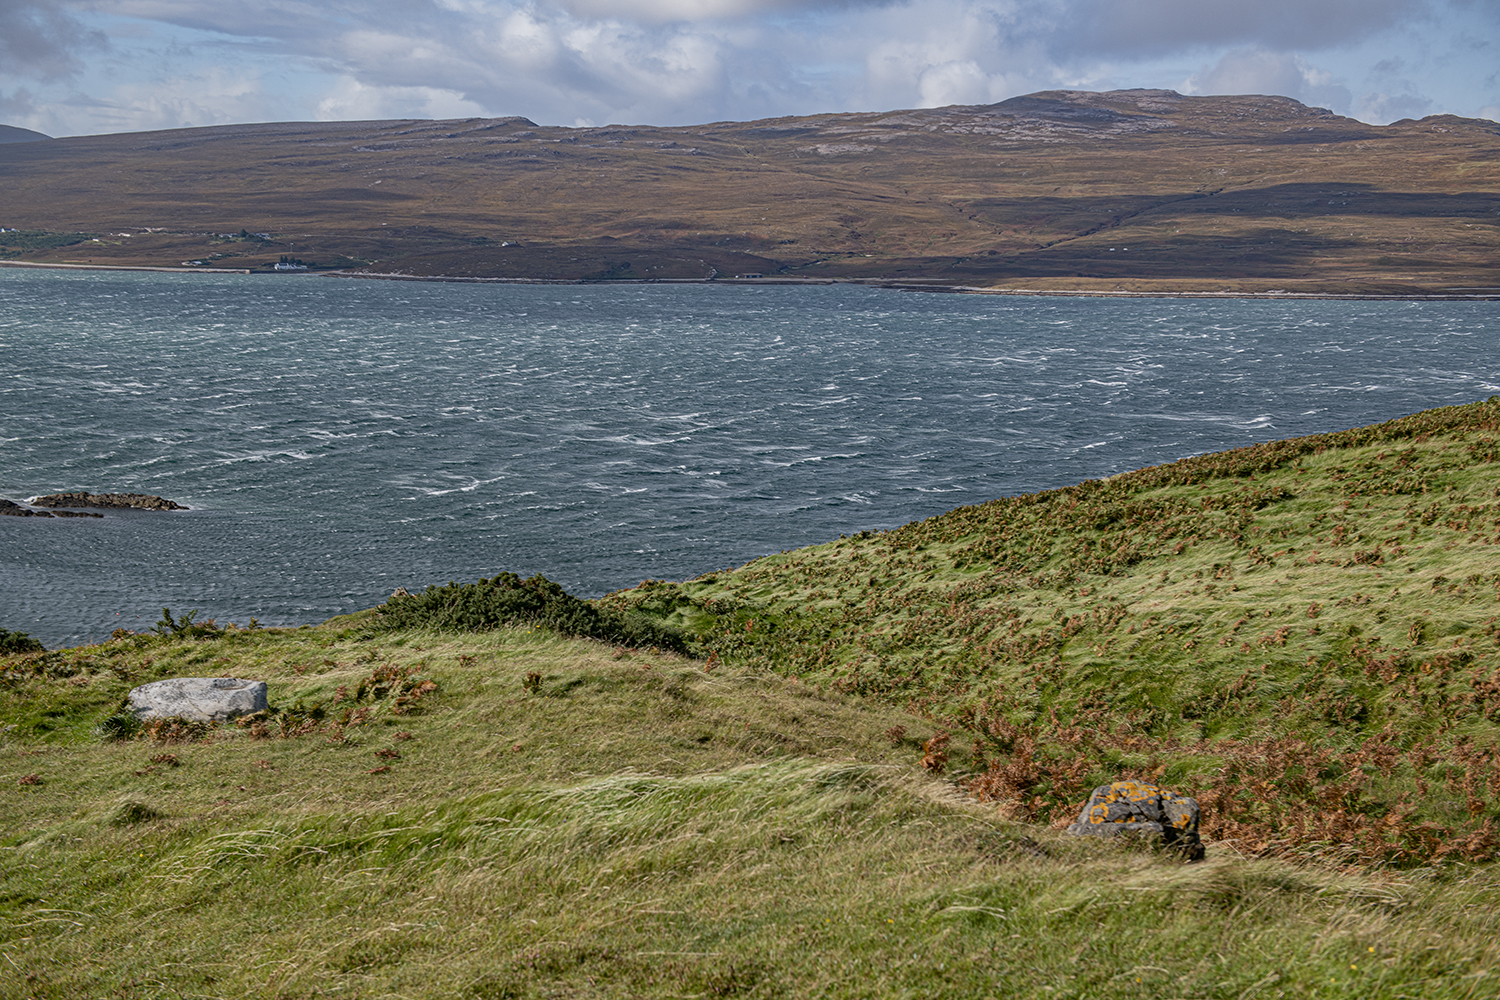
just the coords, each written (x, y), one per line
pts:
(662, 11)
(1257, 71)
(351, 100)
(42, 42)
(1384, 108)
(682, 61)
(675, 60)
(18, 105)
(1490, 111)
(214, 96)
(1155, 27)
(941, 53)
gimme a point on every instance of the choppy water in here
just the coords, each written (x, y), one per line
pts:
(338, 438)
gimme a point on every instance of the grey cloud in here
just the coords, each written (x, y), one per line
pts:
(1384, 108)
(41, 41)
(673, 61)
(18, 104)
(1158, 27)
(511, 57)
(661, 11)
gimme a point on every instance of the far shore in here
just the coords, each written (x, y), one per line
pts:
(918, 285)
(125, 267)
(899, 284)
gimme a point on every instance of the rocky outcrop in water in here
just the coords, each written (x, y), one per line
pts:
(16, 510)
(141, 501)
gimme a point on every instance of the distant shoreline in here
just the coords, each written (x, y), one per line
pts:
(125, 267)
(916, 285)
(897, 284)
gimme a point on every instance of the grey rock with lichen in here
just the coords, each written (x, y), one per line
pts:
(201, 699)
(1138, 808)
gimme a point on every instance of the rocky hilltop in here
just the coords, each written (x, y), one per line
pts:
(1142, 190)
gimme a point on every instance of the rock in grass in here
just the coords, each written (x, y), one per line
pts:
(200, 699)
(1134, 807)
(142, 501)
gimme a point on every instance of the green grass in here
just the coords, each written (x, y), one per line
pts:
(1305, 634)
(561, 818)
(22, 240)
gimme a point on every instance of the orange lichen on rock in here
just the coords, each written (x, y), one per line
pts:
(1145, 810)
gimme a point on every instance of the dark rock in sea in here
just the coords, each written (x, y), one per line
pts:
(142, 501)
(1136, 808)
(16, 510)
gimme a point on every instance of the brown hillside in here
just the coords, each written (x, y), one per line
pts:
(1143, 190)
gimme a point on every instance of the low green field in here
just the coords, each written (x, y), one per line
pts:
(851, 787)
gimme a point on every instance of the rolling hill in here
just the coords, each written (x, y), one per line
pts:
(1126, 190)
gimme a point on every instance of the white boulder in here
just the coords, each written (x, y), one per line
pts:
(202, 699)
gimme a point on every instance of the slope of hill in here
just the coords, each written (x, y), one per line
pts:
(1306, 633)
(555, 818)
(11, 133)
(1144, 190)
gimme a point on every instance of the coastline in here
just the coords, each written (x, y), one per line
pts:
(916, 285)
(896, 284)
(125, 267)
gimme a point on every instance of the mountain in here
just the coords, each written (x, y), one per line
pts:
(10, 133)
(1138, 190)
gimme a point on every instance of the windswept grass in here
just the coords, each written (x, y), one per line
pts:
(560, 818)
(1305, 634)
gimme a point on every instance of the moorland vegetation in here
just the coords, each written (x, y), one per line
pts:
(1143, 190)
(1306, 632)
(848, 779)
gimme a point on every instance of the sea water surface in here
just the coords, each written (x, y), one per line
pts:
(336, 439)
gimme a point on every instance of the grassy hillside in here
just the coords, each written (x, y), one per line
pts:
(1136, 190)
(559, 818)
(854, 791)
(1305, 633)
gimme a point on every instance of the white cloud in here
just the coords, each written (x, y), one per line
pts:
(1257, 71)
(212, 97)
(682, 61)
(1384, 108)
(351, 100)
(1490, 111)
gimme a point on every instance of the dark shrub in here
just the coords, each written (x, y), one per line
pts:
(19, 642)
(509, 600)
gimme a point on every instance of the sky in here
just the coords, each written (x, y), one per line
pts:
(76, 67)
